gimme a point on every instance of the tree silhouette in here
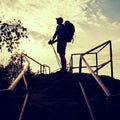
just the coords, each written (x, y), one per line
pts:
(14, 67)
(10, 34)
(3, 82)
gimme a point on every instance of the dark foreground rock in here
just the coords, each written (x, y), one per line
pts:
(56, 97)
(59, 97)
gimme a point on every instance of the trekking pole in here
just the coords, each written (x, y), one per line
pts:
(58, 61)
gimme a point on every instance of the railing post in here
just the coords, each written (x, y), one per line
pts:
(40, 69)
(111, 59)
(21, 58)
(49, 70)
(97, 63)
(71, 64)
(80, 65)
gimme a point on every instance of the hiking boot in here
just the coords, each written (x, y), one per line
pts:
(62, 71)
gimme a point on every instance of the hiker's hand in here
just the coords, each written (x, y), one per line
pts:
(50, 42)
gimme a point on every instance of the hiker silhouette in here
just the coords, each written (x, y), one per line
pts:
(61, 43)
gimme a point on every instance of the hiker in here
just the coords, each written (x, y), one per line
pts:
(61, 43)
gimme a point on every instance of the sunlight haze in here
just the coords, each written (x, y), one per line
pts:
(96, 21)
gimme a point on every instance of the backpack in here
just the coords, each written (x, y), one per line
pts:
(68, 31)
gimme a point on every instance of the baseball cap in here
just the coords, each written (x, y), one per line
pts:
(59, 19)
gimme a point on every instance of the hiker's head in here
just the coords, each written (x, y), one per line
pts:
(59, 20)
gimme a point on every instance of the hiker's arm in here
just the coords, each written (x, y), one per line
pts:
(53, 38)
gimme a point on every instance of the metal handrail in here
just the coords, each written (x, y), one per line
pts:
(19, 78)
(87, 102)
(92, 51)
(103, 44)
(98, 67)
(104, 88)
(43, 67)
(100, 83)
(16, 81)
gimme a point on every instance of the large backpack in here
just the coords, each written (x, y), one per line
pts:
(68, 31)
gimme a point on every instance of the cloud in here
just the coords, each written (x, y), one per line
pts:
(110, 9)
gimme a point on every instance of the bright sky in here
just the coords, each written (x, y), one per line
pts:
(96, 21)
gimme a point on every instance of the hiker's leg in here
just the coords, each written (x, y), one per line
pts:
(61, 48)
(63, 61)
